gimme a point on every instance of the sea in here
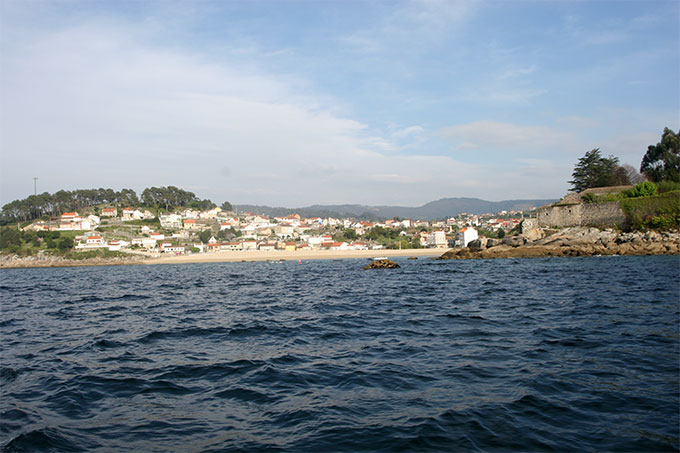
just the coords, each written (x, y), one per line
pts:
(553, 354)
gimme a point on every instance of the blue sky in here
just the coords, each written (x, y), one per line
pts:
(292, 103)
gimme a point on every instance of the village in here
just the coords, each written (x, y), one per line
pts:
(140, 231)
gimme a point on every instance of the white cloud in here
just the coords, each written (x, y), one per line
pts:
(496, 134)
(425, 20)
(93, 106)
(408, 131)
(518, 72)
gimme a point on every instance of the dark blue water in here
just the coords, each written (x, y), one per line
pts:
(577, 354)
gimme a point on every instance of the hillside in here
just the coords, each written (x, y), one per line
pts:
(440, 209)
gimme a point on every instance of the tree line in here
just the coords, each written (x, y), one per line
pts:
(661, 162)
(53, 205)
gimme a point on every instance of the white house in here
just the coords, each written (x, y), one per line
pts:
(149, 243)
(266, 246)
(171, 221)
(92, 242)
(71, 221)
(359, 245)
(190, 224)
(249, 245)
(232, 246)
(157, 236)
(437, 239)
(109, 212)
(117, 245)
(169, 248)
(467, 235)
(283, 230)
(248, 231)
(131, 214)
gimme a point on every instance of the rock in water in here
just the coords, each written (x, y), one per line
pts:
(382, 264)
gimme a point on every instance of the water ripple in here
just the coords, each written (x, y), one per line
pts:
(498, 355)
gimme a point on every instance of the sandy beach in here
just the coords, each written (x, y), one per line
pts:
(257, 255)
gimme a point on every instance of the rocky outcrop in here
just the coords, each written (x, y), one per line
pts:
(530, 230)
(44, 260)
(382, 264)
(575, 241)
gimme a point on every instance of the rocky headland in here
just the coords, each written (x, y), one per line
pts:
(572, 241)
(45, 260)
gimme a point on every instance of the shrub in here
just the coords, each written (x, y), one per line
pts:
(643, 189)
(668, 186)
(660, 211)
(661, 222)
(99, 253)
(65, 244)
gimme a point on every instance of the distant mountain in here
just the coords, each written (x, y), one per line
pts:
(440, 209)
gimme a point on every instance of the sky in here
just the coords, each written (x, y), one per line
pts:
(294, 103)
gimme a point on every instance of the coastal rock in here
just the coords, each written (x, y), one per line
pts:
(478, 244)
(514, 241)
(46, 260)
(492, 243)
(529, 229)
(382, 264)
(577, 241)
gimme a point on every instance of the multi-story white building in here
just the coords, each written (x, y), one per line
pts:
(437, 239)
(467, 235)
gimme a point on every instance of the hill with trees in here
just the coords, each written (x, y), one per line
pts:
(46, 204)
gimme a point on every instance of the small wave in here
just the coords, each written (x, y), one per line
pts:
(8, 322)
(107, 344)
(572, 343)
(247, 395)
(209, 372)
(8, 374)
(48, 439)
(182, 333)
(95, 298)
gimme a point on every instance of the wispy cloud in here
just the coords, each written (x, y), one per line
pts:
(412, 25)
(496, 134)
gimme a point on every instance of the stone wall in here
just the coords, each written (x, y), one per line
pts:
(607, 214)
(559, 216)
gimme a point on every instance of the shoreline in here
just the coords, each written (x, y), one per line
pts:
(572, 241)
(220, 257)
(279, 255)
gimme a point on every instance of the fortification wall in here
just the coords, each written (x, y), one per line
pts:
(559, 216)
(607, 214)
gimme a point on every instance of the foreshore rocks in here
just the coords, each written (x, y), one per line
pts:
(382, 264)
(15, 261)
(573, 241)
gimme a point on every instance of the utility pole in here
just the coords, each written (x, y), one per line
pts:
(35, 186)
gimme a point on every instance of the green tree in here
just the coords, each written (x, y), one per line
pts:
(226, 206)
(9, 236)
(593, 170)
(65, 244)
(205, 236)
(662, 161)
